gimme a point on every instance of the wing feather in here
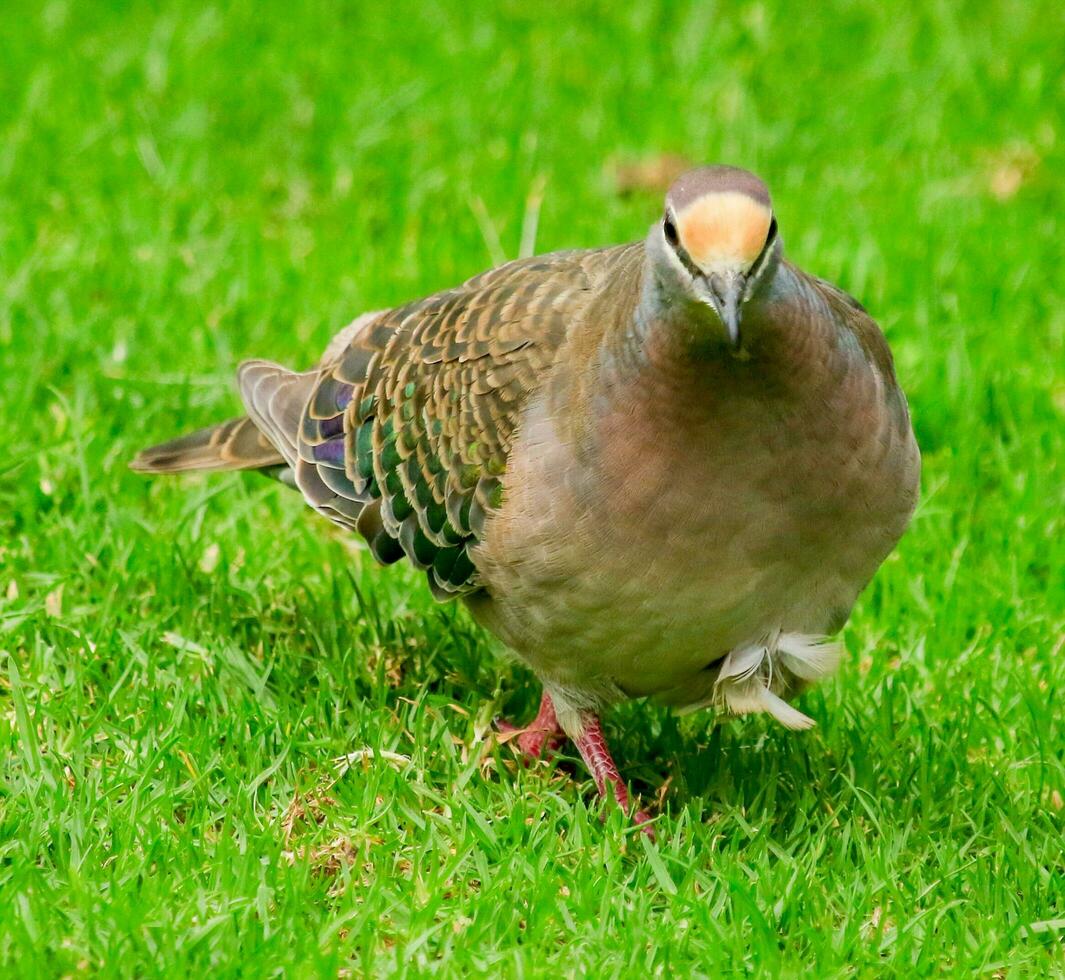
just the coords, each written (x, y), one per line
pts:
(412, 419)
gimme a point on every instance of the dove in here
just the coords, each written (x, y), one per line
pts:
(663, 469)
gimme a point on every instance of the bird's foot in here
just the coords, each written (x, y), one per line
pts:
(542, 733)
(545, 734)
(591, 743)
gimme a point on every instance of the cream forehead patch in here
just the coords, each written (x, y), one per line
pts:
(727, 226)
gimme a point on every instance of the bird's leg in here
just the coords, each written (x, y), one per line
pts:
(591, 743)
(542, 732)
(545, 732)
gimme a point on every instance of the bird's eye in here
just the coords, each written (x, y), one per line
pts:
(670, 230)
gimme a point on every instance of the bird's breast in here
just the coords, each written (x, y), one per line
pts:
(681, 524)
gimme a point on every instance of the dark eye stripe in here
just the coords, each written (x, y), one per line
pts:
(670, 231)
(769, 239)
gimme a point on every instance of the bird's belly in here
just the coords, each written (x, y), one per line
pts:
(635, 573)
(598, 605)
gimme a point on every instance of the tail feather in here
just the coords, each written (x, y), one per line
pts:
(264, 439)
(238, 444)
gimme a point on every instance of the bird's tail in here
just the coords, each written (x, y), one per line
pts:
(264, 439)
(238, 444)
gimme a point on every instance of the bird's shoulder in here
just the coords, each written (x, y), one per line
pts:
(855, 325)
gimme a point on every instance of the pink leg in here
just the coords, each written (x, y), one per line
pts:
(542, 732)
(592, 746)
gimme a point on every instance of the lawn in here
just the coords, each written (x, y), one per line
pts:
(183, 662)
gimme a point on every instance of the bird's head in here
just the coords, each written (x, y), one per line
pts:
(716, 242)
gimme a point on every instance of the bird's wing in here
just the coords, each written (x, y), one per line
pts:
(858, 328)
(853, 318)
(406, 434)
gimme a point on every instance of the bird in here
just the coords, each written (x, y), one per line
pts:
(663, 469)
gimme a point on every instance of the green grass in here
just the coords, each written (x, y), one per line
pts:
(181, 661)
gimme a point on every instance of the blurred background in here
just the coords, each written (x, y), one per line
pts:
(183, 185)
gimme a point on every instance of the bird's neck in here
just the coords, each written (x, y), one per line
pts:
(680, 350)
(666, 378)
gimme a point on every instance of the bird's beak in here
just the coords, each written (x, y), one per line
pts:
(724, 291)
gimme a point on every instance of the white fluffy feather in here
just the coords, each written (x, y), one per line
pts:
(752, 677)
